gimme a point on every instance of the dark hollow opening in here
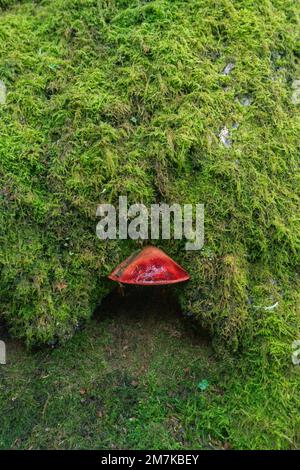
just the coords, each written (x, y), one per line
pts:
(150, 306)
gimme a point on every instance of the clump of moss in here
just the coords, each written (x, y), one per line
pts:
(114, 98)
(217, 296)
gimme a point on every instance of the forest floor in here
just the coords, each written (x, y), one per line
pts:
(139, 376)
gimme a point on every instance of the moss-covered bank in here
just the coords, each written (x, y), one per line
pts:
(108, 98)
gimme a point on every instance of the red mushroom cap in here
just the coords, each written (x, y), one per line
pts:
(150, 266)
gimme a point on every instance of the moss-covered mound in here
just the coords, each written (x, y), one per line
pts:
(174, 101)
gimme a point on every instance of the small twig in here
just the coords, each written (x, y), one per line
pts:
(45, 405)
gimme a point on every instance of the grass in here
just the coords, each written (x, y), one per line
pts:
(108, 98)
(130, 380)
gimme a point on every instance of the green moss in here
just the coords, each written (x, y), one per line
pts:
(130, 380)
(110, 98)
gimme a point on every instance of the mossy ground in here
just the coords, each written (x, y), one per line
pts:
(130, 380)
(108, 98)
